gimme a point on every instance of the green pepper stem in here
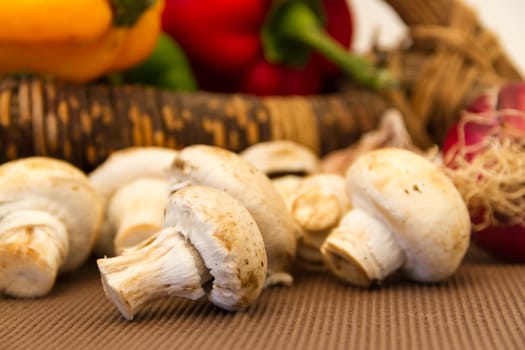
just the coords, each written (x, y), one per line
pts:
(360, 69)
(301, 24)
(127, 12)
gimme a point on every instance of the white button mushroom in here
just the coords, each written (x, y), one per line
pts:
(227, 171)
(316, 202)
(136, 211)
(317, 205)
(282, 157)
(287, 163)
(208, 235)
(134, 184)
(49, 221)
(286, 187)
(312, 198)
(406, 214)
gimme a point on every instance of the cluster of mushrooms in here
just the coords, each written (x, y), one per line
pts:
(206, 221)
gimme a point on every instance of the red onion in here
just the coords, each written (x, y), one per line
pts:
(484, 154)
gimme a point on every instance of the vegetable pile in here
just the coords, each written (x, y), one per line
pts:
(205, 220)
(485, 155)
(261, 47)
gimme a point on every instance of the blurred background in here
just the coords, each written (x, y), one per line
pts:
(504, 17)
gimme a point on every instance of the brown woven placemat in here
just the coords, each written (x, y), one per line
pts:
(482, 307)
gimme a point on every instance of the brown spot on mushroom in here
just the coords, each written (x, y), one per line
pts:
(250, 281)
(179, 164)
(225, 239)
(416, 188)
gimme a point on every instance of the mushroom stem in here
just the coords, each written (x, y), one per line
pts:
(362, 250)
(137, 210)
(165, 264)
(33, 247)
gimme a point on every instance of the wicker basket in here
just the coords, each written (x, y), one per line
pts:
(450, 59)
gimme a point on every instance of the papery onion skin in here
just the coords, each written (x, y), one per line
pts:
(492, 119)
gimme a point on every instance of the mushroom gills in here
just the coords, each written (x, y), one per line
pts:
(229, 240)
(33, 246)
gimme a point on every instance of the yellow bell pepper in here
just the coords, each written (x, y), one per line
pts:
(77, 40)
(140, 39)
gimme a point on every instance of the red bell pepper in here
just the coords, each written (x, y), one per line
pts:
(265, 78)
(264, 46)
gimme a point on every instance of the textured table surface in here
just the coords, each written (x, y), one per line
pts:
(481, 307)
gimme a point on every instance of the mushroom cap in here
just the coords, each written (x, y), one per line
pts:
(129, 164)
(227, 171)
(419, 204)
(319, 202)
(121, 168)
(282, 157)
(286, 186)
(59, 188)
(226, 237)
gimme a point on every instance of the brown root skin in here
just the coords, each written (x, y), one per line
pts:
(328, 122)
